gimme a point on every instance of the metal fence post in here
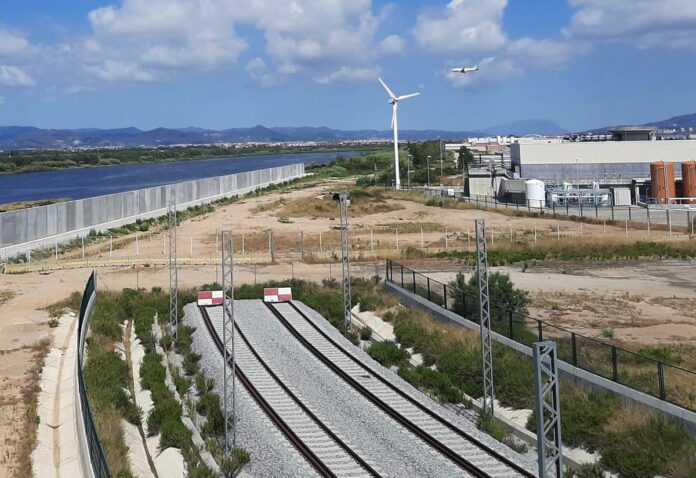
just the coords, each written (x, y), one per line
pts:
(614, 365)
(575, 350)
(428, 282)
(444, 292)
(402, 275)
(414, 281)
(661, 380)
(540, 332)
(512, 334)
(612, 210)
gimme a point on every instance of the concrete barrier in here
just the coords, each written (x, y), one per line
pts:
(578, 376)
(26, 229)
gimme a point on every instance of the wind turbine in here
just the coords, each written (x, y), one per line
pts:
(465, 69)
(394, 101)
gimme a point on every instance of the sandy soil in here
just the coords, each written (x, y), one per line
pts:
(642, 303)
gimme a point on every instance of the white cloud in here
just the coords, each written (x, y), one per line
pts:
(116, 70)
(392, 45)
(349, 74)
(542, 53)
(258, 70)
(463, 26)
(491, 72)
(157, 37)
(13, 45)
(643, 23)
(14, 76)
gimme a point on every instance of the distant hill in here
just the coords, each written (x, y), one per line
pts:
(683, 121)
(25, 137)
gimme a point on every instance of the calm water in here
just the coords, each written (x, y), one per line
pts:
(89, 182)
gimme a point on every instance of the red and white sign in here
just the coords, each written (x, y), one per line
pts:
(280, 294)
(210, 297)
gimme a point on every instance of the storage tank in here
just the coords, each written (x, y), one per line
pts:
(689, 180)
(662, 181)
(535, 193)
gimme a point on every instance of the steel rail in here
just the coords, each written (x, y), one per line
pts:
(425, 436)
(294, 439)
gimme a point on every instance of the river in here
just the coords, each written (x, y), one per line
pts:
(89, 182)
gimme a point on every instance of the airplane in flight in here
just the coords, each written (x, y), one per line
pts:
(465, 69)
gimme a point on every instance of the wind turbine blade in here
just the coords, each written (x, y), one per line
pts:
(407, 96)
(391, 95)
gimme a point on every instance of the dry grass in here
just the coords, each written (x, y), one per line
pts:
(108, 422)
(72, 302)
(26, 442)
(14, 206)
(6, 296)
(626, 418)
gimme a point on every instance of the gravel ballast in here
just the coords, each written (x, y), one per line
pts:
(271, 455)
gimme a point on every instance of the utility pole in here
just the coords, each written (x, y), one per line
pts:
(485, 317)
(428, 171)
(548, 410)
(347, 305)
(439, 143)
(173, 273)
(228, 341)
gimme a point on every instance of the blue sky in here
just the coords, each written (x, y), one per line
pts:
(234, 63)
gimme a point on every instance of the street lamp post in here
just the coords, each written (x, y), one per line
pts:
(428, 171)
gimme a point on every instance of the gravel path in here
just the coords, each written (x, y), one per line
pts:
(271, 455)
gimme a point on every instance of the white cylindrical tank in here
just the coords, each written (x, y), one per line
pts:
(567, 186)
(535, 192)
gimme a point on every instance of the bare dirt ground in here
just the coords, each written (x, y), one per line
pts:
(648, 302)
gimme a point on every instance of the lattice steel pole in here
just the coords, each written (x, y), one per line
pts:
(228, 340)
(173, 273)
(485, 317)
(347, 302)
(548, 410)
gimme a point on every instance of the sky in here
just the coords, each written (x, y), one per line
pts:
(235, 63)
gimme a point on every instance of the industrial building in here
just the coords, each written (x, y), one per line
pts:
(622, 162)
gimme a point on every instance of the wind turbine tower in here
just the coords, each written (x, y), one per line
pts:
(394, 101)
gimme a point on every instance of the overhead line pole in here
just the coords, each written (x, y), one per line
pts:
(548, 410)
(228, 341)
(347, 301)
(485, 317)
(173, 272)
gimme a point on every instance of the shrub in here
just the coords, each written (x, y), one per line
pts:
(583, 417)
(388, 353)
(662, 354)
(435, 381)
(495, 428)
(586, 470)
(365, 333)
(647, 450)
(164, 410)
(53, 323)
(174, 433)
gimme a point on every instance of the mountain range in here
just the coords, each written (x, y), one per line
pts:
(27, 137)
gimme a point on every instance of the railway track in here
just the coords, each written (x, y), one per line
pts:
(322, 448)
(465, 450)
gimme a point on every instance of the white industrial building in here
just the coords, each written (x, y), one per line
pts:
(605, 161)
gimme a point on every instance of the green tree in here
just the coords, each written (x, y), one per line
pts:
(465, 157)
(503, 296)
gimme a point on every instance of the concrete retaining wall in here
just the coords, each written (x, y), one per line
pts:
(35, 227)
(580, 377)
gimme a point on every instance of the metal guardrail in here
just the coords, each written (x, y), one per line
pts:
(97, 458)
(639, 372)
